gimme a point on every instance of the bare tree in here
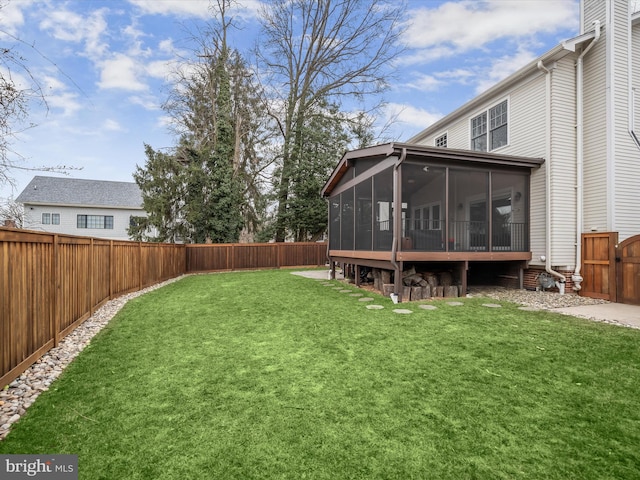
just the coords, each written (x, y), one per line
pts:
(11, 213)
(18, 89)
(322, 51)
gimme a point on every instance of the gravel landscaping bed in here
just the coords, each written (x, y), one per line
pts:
(537, 299)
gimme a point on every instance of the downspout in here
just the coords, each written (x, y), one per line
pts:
(397, 215)
(547, 172)
(576, 277)
(632, 92)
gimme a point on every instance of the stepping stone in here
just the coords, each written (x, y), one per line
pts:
(327, 284)
(375, 307)
(403, 311)
(356, 295)
(428, 307)
(492, 305)
(455, 304)
(529, 309)
(365, 299)
(345, 291)
(337, 288)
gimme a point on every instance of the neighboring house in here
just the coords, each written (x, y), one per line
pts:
(74, 206)
(515, 181)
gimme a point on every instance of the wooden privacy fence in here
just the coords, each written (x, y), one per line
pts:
(51, 283)
(239, 256)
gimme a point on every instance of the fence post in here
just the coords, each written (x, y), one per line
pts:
(111, 269)
(56, 277)
(91, 270)
(139, 265)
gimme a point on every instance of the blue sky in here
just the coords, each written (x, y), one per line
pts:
(104, 67)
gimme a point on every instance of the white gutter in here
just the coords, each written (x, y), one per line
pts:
(547, 172)
(576, 277)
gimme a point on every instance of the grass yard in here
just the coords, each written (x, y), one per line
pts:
(267, 375)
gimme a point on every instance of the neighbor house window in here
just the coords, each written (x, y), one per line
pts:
(51, 219)
(95, 221)
(492, 134)
(441, 141)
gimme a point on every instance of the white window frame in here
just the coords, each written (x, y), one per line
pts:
(443, 139)
(489, 126)
(430, 221)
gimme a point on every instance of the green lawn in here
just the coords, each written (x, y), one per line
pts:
(270, 375)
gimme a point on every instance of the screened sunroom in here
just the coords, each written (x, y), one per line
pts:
(454, 206)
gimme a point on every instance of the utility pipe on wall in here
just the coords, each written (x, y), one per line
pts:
(547, 171)
(576, 277)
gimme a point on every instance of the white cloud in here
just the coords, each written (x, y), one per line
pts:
(147, 102)
(112, 125)
(196, 8)
(468, 25)
(425, 83)
(410, 116)
(503, 67)
(11, 17)
(71, 27)
(159, 69)
(121, 72)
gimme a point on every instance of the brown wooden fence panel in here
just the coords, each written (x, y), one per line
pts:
(100, 273)
(304, 254)
(239, 256)
(207, 258)
(73, 275)
(26, 291)
(598, 265)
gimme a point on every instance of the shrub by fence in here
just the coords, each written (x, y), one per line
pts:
(51, 283)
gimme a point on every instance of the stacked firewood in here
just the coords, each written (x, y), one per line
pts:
(417, 285)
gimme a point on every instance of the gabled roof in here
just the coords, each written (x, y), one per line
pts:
(449, 156)
(81, 192)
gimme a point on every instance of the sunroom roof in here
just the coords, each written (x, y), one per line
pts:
(427, 153)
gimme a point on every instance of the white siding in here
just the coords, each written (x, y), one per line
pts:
(563, 163)
(595, 128)
(69, 221)
(626, 155)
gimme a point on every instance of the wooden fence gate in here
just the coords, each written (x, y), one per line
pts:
(628, 271)
(599, 266)
(611, 271)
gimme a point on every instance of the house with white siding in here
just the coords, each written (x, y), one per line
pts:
(552, 156)
(73, 206)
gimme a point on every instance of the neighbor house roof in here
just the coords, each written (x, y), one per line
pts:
(81, 192)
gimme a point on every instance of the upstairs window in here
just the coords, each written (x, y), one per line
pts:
(479, 133)
(441, 141)
(51, 219)
(492, 134)
(498, 125)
